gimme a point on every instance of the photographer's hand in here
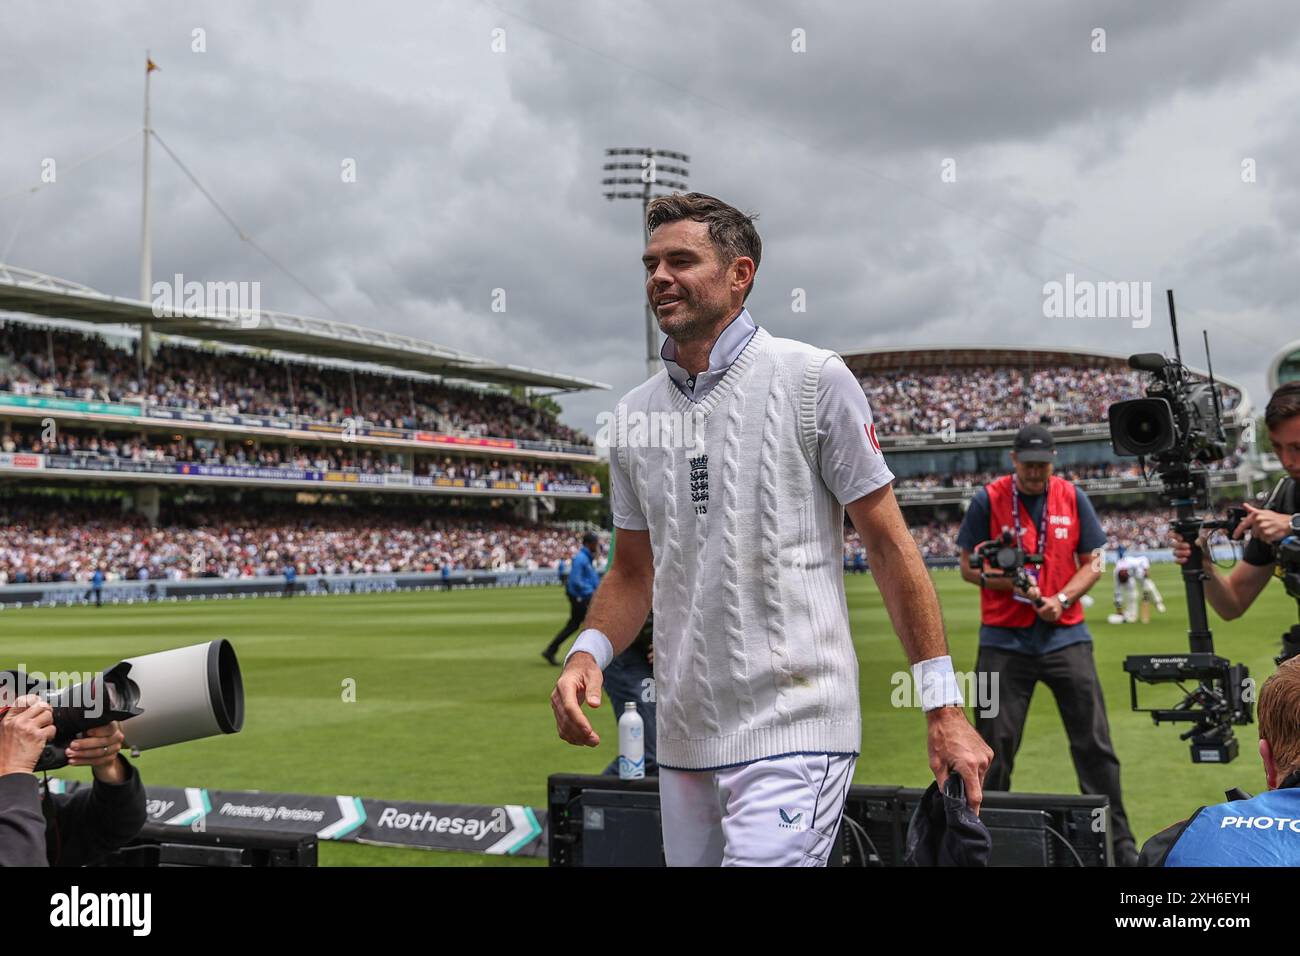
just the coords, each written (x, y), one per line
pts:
(1050, 610)
(1269, 525)
(1230, 594)
(25, 729)
(1031, 592)
(976, 572)
(1183, 550)
(98, 748)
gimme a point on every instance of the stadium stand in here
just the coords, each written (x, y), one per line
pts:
(1138, 529)
(47, 538)
(87, 367)
(987, 398)
(108, 449)
(1077, 473)
(74, 510)
(220, 462)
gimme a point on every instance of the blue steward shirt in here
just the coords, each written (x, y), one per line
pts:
(583, 579)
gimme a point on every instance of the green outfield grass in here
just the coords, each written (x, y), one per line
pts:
(452, 697)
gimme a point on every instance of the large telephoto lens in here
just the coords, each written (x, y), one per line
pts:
(186, 694)
(1141, 426)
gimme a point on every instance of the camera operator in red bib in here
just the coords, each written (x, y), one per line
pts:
(1039, 634)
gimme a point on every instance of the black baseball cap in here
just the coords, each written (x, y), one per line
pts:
(590, 539)
(1035, 443)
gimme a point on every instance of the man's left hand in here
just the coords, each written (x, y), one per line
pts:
(1272, 526)
(98, 748)
(1050, 610)
(955, 747)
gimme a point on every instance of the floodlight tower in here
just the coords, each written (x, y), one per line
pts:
(649, 169)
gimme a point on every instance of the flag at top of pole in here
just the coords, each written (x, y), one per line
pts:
(150, 65)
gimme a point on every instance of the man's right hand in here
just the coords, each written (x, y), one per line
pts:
(24, 731)
(580, 682)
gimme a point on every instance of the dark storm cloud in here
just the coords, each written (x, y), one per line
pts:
(480, 170)
(884, 79)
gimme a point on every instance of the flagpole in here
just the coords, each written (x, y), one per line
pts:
(146, 244)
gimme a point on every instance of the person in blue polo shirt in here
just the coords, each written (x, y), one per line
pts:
(1259, 831)
(581, 585)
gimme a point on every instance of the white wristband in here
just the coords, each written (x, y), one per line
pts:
(594, 643)
(938, 683)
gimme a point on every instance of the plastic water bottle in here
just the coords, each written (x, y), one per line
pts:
(631, 743)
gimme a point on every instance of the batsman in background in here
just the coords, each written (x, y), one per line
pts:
(1134, 588)
(736, 538)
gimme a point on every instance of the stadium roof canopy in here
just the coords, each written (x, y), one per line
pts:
(34, 293)
(1014, 356)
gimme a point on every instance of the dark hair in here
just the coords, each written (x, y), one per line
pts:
(731, 231)
(1284, 404)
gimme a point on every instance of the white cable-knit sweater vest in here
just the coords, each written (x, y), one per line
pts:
(753, 656)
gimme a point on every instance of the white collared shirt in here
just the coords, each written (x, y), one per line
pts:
(730, 343)
(849, 459)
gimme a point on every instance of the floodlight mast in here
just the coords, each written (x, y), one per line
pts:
(649, 170)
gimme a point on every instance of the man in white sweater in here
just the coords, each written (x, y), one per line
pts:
(730, 517)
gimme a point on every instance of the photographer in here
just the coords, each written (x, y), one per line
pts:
(1038, 634)
(40, 829)
(1262, 830)
(1232, 594)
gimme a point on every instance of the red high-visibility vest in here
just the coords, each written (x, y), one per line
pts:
(1060, 556)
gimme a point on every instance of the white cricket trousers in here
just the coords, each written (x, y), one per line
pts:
(782, 811)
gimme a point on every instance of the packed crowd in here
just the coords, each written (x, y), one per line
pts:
(1139, 530)
(975, 479)
(88, 368)
(68, 364)
(222, 452)
(51, 540)
(992, 398)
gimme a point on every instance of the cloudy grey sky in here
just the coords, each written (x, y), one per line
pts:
(480, 169)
